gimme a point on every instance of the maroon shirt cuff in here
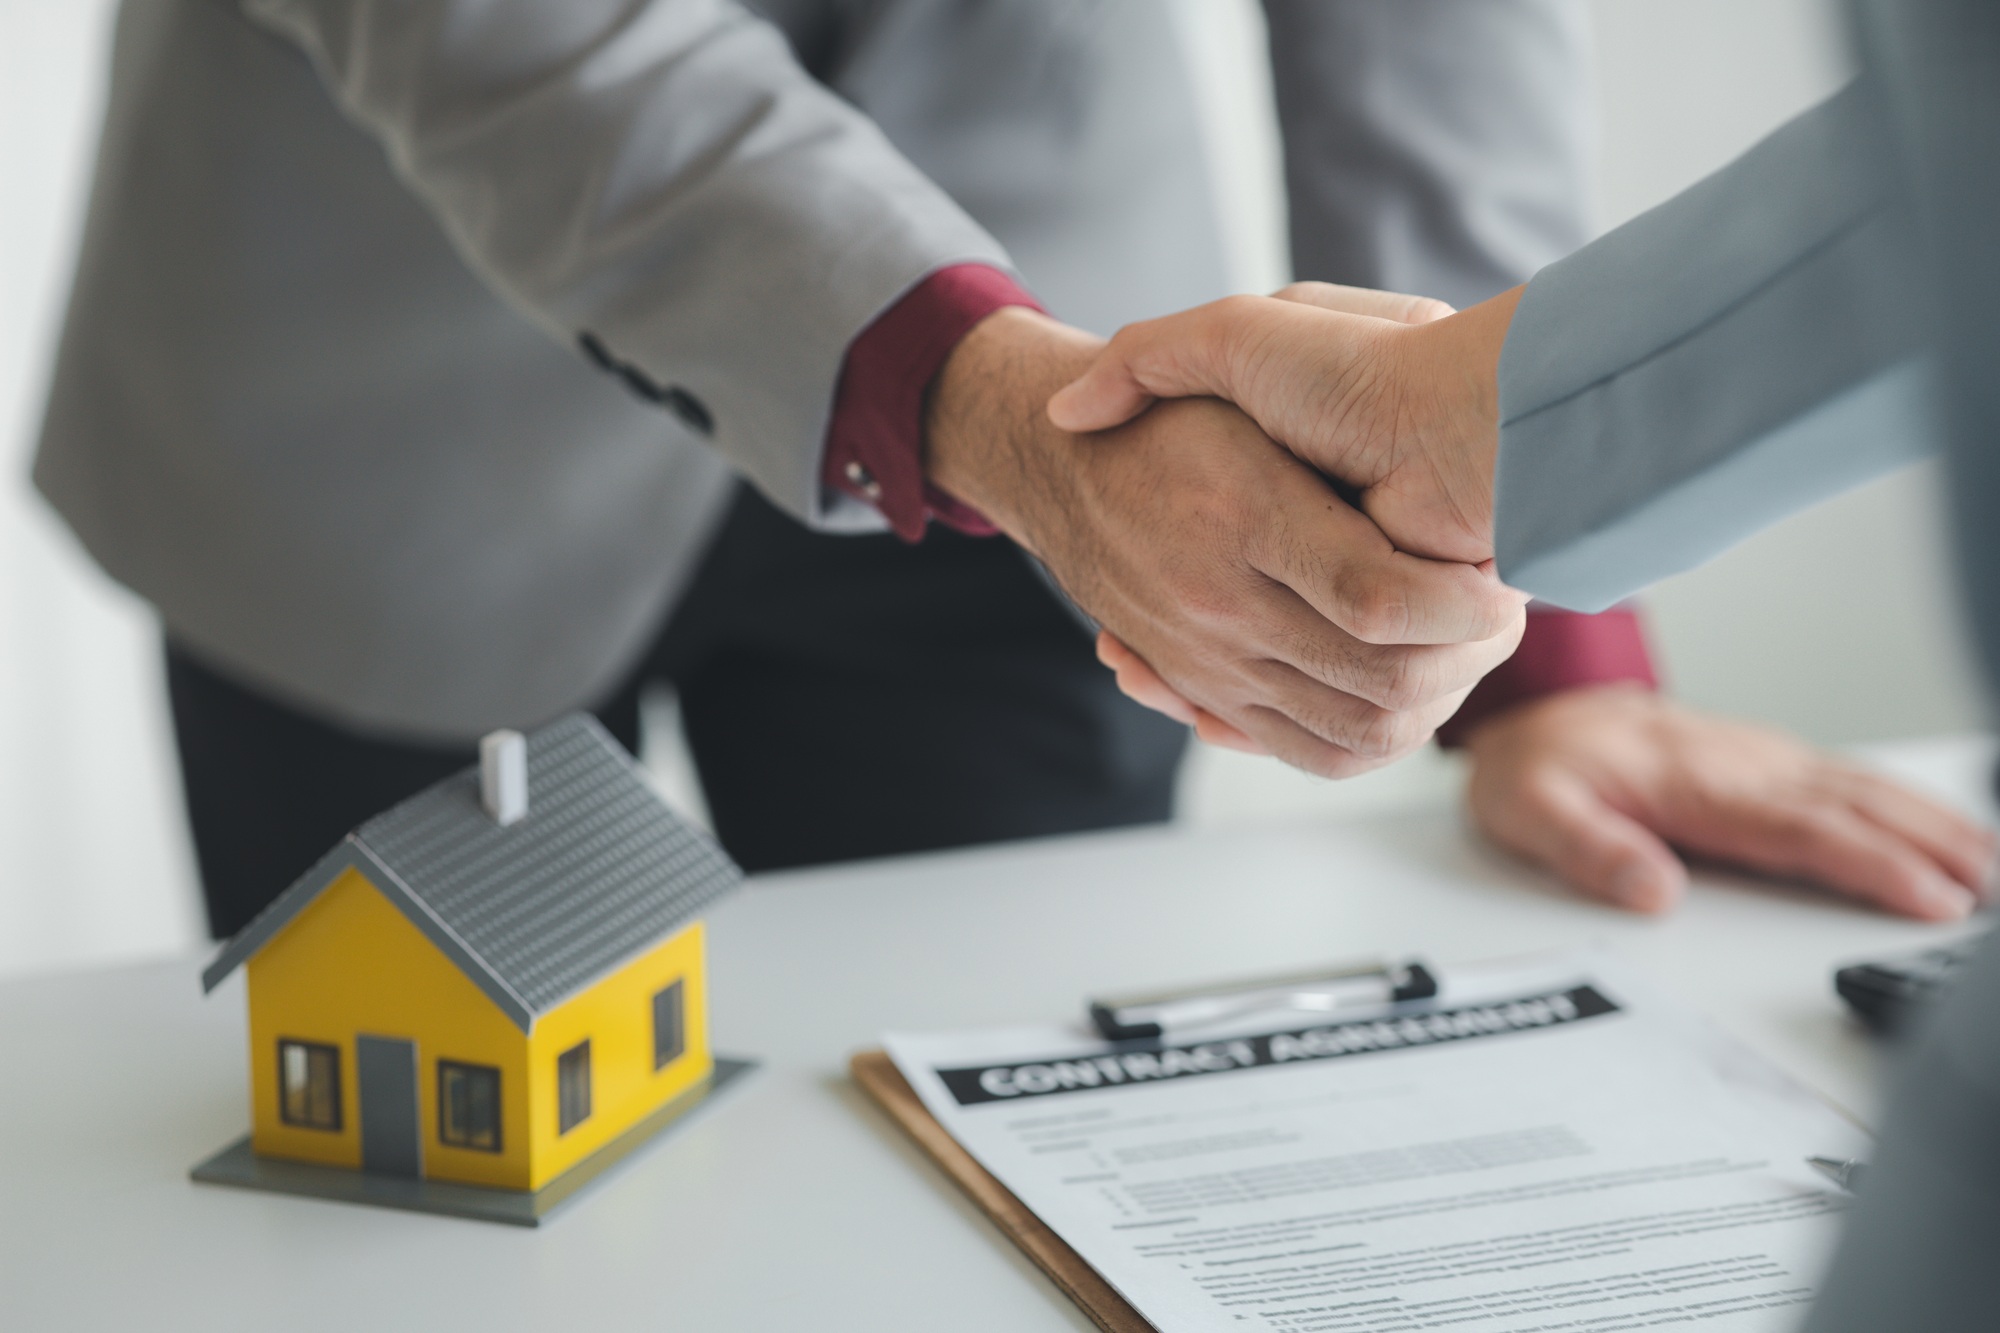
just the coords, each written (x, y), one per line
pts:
(874, 444)
(1561, 650)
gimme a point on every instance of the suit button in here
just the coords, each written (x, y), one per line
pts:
(600, 356)
(693, 413)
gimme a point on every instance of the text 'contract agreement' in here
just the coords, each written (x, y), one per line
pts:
(1546, 1147)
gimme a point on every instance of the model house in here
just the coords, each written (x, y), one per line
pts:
(490, 982)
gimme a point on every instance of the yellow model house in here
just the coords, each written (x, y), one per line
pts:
(489, 984)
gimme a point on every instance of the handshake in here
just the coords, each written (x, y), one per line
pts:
(1304, 569)
(1295, 557)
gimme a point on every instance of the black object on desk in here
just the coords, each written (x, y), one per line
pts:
(1889, 993)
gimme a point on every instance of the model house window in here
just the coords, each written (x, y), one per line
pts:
(572, 1087)
(308, 1084)
(468, 1106)
(669, 1025)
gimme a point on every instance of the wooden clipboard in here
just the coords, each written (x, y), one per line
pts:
(885, 1085)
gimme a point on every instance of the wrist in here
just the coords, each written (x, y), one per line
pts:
(1560, 653)
(1631, 697)
(874, 440)
(1453, 369)
(986, 434)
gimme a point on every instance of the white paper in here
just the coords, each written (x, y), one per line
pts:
(1543, 1147)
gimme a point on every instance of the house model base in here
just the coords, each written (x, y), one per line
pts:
(237, 1165)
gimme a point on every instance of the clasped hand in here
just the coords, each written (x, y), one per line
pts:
(1366, 387)
(1281, 615)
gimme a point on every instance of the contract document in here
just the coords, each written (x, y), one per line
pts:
(1555, 1145)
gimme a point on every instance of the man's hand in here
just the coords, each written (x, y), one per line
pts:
(1268, 602)
(1598, 784)
(1394, 395)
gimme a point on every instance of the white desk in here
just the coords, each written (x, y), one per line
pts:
(792, 1204)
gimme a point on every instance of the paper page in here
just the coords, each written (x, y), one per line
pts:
(1556, 1146)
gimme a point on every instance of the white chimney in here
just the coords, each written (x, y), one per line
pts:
(503, 776)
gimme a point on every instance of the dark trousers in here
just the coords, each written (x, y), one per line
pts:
(842, 696)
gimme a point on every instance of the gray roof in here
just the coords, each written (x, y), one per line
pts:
(597, 872)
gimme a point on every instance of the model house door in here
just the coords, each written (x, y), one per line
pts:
(390, 1142)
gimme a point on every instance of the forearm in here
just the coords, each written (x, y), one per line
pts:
(1560, 651)
(988, 441)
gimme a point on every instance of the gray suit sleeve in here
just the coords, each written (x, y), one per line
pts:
(1742, 351)
(1433, 146)
(661, 176)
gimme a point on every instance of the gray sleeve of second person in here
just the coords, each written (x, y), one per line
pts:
(1433, 146)
(661, 176)
(1744, 350)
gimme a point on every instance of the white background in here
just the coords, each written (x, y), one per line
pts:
(1837, 624)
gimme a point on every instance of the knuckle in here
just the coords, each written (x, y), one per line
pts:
(1375, 612)
(1234, 307)
(1404, 681)
(1124, 343)
(1229, 320)
(1326, 655)
(1209, 606)
(1327, 759)
(1809, 838)
(1905, 880)
(1818, 824)
(1383, 735)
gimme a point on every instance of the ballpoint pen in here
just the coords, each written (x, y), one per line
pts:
(1842, 1171)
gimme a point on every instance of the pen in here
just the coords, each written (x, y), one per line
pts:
(1842, 1171)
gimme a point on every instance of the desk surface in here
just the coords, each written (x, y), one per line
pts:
(793, 1204)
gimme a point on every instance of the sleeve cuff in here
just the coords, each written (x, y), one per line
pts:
(874, 443)
(1561, 650)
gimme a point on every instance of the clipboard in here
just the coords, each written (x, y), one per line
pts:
(885, 1085)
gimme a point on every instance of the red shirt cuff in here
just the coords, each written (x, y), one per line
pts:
(1561, 650)
(874, 444)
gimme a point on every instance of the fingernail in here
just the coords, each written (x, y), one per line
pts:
(1942, 900)
(1637, 887)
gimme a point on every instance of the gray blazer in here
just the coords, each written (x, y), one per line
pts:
(1761, 341)
(319, 396)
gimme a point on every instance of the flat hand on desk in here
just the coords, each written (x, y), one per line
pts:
(1600, 783)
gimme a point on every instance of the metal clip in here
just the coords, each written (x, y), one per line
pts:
(1155, 1014)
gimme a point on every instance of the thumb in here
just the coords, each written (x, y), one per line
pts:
(1104, 396)
(1558, 821)
(1175, 356)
